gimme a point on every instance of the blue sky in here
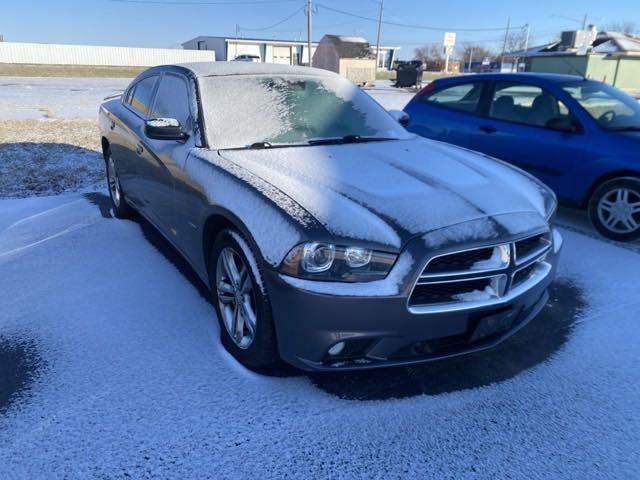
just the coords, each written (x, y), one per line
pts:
(108, 22)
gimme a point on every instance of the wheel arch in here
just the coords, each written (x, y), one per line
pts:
(605, 178)
(105, 147)
(218, 220)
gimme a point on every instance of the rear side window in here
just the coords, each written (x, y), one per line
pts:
(172, 101)
(142, 95)
(464, 97)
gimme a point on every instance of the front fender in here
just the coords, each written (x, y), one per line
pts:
(264, 214)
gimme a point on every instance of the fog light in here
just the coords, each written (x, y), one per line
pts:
(336, 349)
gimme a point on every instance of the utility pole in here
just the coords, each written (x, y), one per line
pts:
(470, 59)
(584, 22)
(309, 30)
(526, 47)
(378, 37)
(504, 45)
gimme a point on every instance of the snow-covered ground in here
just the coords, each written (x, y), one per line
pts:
(133, 382)
(113, 366)
(55, 97)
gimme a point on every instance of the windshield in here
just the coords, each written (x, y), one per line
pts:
(245, 110)
(610, 107)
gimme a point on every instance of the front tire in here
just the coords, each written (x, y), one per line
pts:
(118, 203)
(241, 301)
(614, 209)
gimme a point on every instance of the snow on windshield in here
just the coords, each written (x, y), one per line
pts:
(241, 110)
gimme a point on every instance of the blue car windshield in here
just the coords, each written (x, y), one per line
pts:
(610, 107)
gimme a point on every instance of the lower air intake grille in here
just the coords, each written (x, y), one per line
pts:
(428, 293)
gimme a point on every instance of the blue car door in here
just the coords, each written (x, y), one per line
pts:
(448, 113)
(531, 128)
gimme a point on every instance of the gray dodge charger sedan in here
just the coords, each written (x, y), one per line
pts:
(329, 236)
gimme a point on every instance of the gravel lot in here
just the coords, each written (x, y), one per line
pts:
(47, 157)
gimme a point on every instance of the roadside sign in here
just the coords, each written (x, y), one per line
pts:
(449, 39)
(486, 61)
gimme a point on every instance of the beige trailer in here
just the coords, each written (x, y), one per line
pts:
(348, 56)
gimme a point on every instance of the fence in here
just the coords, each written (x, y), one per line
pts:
(53, 54)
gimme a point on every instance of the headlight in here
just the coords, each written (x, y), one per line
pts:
(325, 261)
(550, 204)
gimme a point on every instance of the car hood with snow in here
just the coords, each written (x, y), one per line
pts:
(388, 192)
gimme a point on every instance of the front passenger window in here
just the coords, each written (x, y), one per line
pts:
(172, 101)
(526, 104)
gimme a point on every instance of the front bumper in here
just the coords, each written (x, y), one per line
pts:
(382, 331)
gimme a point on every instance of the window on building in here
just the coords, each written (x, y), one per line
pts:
(172, 101)
(202, 45)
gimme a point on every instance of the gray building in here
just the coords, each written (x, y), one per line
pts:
(289, 52)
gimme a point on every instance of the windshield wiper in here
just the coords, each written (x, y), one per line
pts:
(266, 145)
(348, 139)
(259, 146)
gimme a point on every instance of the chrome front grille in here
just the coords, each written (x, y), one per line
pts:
(469, 278)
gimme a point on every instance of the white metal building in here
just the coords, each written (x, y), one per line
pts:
(289, 52)
(58, 54)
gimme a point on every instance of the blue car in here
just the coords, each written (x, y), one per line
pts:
(581, 137)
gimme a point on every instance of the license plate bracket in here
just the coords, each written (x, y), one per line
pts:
(492, 324)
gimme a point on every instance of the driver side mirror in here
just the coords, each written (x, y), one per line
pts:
(401, 117)
(164, 129)
(564, 124)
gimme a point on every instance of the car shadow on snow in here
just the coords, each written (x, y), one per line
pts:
(532, 345)
(20, 363)
(155, 238)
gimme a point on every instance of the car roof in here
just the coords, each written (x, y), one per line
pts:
(212, 69)
(526, 76)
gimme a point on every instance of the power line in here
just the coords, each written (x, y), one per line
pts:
(419, 27)
(289, 17)
(205, 2)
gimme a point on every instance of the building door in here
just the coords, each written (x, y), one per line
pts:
(282, 55)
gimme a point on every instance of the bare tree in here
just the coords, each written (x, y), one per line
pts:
(431, 55)
(475, 52)
(516, 41)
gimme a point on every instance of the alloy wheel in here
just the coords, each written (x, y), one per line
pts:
(236, 297)
(114, 182)
(619, 210)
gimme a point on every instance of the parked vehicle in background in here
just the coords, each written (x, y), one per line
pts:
(247, 58)
(579, 136)
(329, 236)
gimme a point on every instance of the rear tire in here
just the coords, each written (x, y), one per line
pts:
(246, 325)
(614, 209)
(118, 201)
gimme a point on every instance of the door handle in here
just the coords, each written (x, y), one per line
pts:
(139, 149)
(488, 128)
(113, 125)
